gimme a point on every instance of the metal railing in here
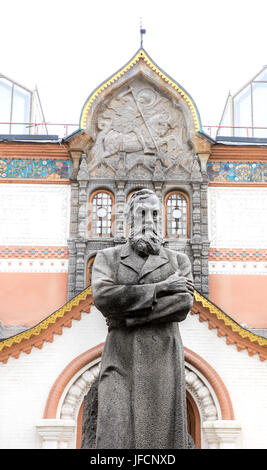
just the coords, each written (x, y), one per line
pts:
(235, 131)
(65, 129)
(37, 128)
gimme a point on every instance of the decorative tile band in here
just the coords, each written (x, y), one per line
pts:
(33, 266)
(238, 267)
(58, 252)
(226, 254)
(35, 168)
(237, 172)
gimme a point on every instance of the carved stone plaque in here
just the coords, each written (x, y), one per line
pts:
(139, 124)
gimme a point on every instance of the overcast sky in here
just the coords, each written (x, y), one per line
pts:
(67, 48)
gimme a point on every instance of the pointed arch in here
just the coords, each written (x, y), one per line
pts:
(140, 63)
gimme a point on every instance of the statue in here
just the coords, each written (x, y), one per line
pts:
(143, 290)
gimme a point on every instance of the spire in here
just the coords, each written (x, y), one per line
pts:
(142, 32)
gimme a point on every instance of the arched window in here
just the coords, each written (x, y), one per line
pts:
(133, 191)
(177, 215)
(101, 214)
(89, 270)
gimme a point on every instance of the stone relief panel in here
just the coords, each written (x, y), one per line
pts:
(137, 125)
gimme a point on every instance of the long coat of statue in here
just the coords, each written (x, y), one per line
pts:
(141, 395)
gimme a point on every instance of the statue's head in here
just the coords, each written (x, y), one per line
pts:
(143, 216)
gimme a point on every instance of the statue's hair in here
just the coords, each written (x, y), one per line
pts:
(139, 196)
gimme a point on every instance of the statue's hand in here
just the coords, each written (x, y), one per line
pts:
(175, 284)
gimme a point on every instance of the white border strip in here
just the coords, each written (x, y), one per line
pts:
(36, 265)
(238, 267)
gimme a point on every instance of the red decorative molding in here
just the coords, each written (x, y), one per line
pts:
(33, 150)
(46, 329)
(88, 356)
(32, 181)
(215, 381)
(241, 153)
(228, 328)
(234, 184)
(66, 375)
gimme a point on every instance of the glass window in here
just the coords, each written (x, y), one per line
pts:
(262, 77)
(259, 108)
(226, 124)
(176, 215)
(100, 216)
(20, 109)
(5, 108)
(242, 113)
(249, 109)
(15, 107)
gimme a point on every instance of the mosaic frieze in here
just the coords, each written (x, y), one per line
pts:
(237, 255)
(237, 172)
(34, 252)
(35, 168)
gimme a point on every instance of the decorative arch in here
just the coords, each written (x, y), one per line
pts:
(193, 420)
(141, 63)
(101, 225)
(89, 269)
(72, 373)
(177, 200)
(207, 395)
(215, 383)
(133, 191)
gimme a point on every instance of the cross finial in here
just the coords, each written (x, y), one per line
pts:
(142, 32)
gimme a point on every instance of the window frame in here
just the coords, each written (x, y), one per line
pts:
(88, 267)
(186, 197)
(90, 214)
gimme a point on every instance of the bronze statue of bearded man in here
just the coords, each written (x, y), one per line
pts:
(144, 290)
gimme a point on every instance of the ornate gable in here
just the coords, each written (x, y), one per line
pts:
(141, 113)
(138, 129)
(140, 64)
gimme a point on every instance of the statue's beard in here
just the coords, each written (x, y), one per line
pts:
(145, 246)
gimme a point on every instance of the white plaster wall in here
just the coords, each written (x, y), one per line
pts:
(236, 217)
(34, 214)
(26, 382)
(245, 378)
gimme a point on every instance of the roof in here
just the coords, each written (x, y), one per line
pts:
(55, 323)
(29, 138)
(242, 140)
(141, 55)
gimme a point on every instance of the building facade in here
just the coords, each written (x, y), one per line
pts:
(62, 200)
